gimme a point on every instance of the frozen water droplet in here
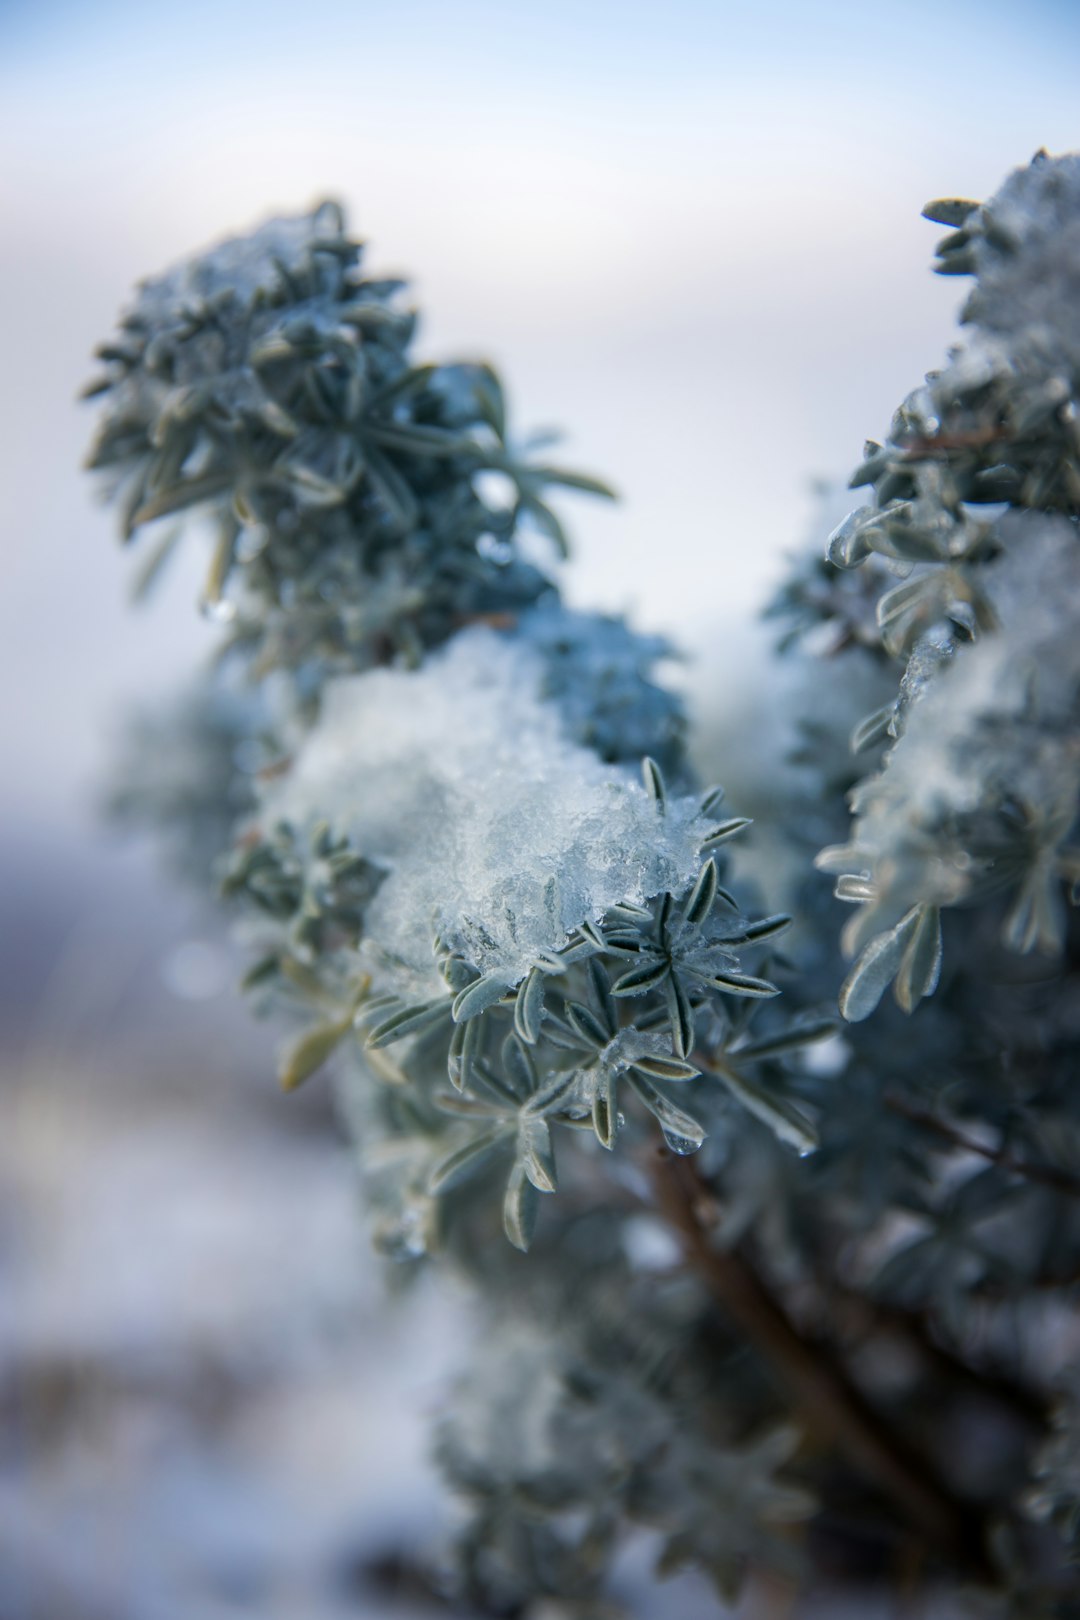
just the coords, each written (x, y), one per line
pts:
(251, 543)
(682, 1145)
(404, 1238)
(219, 610)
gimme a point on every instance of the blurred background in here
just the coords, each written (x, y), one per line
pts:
(688, 234)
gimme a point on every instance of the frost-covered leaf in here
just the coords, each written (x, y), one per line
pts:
(789, 1040)
(605, 1115)
(520, 1208)
(725, 830)
(682, 1132)
(408, 1020)
(920, 966)
(477, 997)
(466, 1044)
(743, 984)
(529, 1006)
(680, 1016)
(875, 969)
(536, 1152)
(640, 981)
(654, 781)
(659, 1067)
(702, 896)
(787, 1123)
(464, 1161)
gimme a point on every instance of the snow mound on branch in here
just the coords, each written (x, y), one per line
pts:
(497, 830)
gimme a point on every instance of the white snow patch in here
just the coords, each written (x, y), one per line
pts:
(497, 830)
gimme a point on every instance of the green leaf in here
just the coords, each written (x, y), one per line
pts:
(855, 889)
(464, 1160)
(640, 980)
(787, 1123)
(529, 1006)
(264, 969)
(680, 1016)
(875, 970)
(536, 1152)
(310, 1052)
(702, 896)
(546, 521)
(653, 778)
(415, 439)
(549, 1097)
(742, 984)
(682, 1133)
(189, 493)
(466, 1041)
(397, 498)
(518, 1068)
(490, 400)
(477, 997)
(658, 1067)
(847, 545)
(590, 935)
(408, 1020)
(951, 211)
(520, 1208)
(625, 912)
(411, 381)
(600, 985)
(604, 1113)
(583, 482)
(587, 1025)
(920, 967)
(767, 927)
(726, 830)
(788, 1040)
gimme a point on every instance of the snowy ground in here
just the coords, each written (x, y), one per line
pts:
(207, 1404)
(212, 1402)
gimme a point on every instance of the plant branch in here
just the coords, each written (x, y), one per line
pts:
(830, 1401)
(1026, 1404)
(1048, 1175)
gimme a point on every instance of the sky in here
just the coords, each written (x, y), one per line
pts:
(688, 235)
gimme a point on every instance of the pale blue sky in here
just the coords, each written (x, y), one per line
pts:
(690, 235)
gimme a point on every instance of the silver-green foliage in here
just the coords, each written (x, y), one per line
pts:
(502, 1030)
(974, 497)
(270, 386)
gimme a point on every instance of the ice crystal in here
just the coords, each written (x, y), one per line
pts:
(499, 833)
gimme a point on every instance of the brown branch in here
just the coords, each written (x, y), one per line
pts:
(1048, 1175)
(915, 1326)
(830, 1401)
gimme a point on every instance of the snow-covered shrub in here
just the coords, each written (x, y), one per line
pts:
(799, 1291)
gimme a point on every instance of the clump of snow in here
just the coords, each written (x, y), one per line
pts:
(1023, 332)
(496, 829)
(997, 723)
(1027, 250)
(242, 266)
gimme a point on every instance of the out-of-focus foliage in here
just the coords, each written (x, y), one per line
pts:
(975, 496)
(805, 1296)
